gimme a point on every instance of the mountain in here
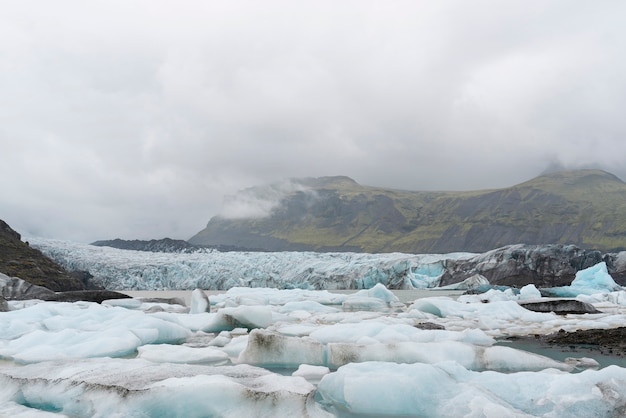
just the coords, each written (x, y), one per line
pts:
(164, 245)
(18, 259)
(586, 208)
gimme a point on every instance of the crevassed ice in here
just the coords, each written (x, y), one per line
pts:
(139, 270)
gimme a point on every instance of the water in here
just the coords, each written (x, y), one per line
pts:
(560, 353)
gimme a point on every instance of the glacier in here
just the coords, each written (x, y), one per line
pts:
(138, 270)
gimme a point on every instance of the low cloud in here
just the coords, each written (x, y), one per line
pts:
(259, 202)
(134, 119)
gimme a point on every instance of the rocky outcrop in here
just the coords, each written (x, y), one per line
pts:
(97, 296)
(541, 265)
(165, 245)
(4, 306)
(18, 259)
(13, 288)
(606, 341)
(560, 306)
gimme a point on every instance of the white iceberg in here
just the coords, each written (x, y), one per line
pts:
(449, 390)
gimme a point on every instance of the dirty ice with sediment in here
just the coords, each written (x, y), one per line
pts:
(300, 352)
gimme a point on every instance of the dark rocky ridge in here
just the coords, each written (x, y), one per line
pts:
(18, 259)
(164, 245)
(541, 265)
(560, 306)
(586, 208)
(13, 288)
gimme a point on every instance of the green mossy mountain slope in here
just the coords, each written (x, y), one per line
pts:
(586, 208)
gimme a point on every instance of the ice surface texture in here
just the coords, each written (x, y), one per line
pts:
(138, 270)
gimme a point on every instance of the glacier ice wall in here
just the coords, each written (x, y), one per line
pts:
(137, 270)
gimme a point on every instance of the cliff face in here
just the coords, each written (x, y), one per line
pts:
(18, 259)
(586, 208)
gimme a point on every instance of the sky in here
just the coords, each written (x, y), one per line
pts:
(133, 119)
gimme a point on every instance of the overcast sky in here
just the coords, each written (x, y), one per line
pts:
(132, 119)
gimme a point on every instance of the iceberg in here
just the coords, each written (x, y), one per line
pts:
(449, 390)
(138, 388)
(592, 280)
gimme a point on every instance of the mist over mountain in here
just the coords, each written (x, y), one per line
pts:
(586, 208)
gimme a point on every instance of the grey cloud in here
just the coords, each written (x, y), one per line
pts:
(259, 202)
(134, 120)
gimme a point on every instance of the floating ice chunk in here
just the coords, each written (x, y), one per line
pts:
(199, 302)
(237, 296)
(383, 332)
(266, 348)
(227, 319)
(595, 279)
(507, 359)
(617, 298)
(312, 374)
(495, 295)
(250, 316)
(385, 389)
(379, 292)
(582, 362)
(134, 388)
(298, 330)
(470, 356)
(502, 310)
(449, 390)
(364, 304)
(166, 353)
(236, 346)
(41, 346)
(51, 330)
(529, 292)
(221, 340)
(128, 303)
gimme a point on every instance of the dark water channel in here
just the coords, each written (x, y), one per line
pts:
(560, 353)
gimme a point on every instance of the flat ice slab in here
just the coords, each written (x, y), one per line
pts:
(127, 388)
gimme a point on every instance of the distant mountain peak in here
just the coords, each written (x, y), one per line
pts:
(575, 175)
(586, 208)
(327, 181)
